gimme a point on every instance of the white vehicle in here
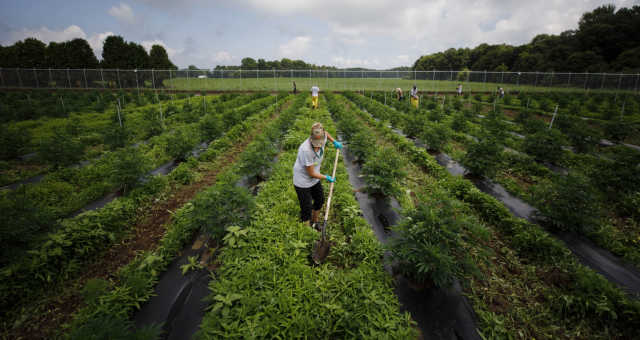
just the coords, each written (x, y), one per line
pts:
(202, 76)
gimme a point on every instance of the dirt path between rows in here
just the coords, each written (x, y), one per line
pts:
(49, 317)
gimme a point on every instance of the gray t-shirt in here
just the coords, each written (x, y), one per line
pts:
(306, 157)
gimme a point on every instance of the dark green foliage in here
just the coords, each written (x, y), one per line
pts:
(582, 137)
(428, 246)
(494, 127)
(383, 172)
(477, 108)
(13, 141)
(545, 145)
(459, 123)
(180, 143)
(436, 135)
(152, 123)
(484, 157)
(222, 206)
(568, 203)
(258, 158)
(107, 327)
(534, 125)
(362, 145)
(129, 168)
(61, 149)
(618, 130)
(414, 124)
(211, 127)
(621, 176)
(21, 222)
(115, 136)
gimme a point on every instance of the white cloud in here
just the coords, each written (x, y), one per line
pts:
(222, 57)
(96, 42)
(48, 35)
(123, 13)
(296, 47)
(357, 28)
(45, 34)
(147, 44)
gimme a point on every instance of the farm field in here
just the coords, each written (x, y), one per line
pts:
(377, 82)
(193, 192)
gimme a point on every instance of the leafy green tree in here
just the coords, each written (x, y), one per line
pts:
(180, 143)
(159, 59)
(222, 206)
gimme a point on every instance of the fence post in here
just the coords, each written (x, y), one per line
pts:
(240, 78)
(618, 89)
(636, 86)
(50, 79)
(84, 74)
(19, 78)
(535, 83)
(102, 77)
(118, 77)
(604, 75)
(1, 77)
(586, 78)
(153, 80)
(135, 72)
(35, 75)
(569, 81)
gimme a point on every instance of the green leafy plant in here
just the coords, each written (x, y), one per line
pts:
(129, 168)
(568, 203)
(436, 135)
(235, 237)
(60, 149)
(192, 264)
(362, 144)
(428, 246)
(483, 158)
(180, 143)
(13, 141)
(545, 145)
(383, 172)
(222, 206)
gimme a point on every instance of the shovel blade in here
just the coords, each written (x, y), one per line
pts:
(320, 251)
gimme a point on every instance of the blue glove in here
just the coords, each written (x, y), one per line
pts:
(337, 144)
(329, 178)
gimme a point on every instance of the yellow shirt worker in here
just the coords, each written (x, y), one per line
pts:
(314, 96)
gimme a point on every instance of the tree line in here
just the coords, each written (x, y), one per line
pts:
(77, 53)
(283, 64)
(607, 40)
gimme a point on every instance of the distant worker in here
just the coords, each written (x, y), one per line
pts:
(414, 97)
(295, 90)
(399, 94)
(459, 89)
(501, 92)
(314, 96)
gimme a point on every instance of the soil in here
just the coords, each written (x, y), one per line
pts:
(58, 311)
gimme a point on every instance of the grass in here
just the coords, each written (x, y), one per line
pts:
(304, 84)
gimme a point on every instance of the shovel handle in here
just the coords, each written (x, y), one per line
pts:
(335, 165)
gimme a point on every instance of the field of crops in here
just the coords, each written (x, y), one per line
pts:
(150, 215)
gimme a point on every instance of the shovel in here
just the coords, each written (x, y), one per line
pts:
(321, 248)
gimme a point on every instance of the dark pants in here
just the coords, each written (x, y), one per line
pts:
(306, 196)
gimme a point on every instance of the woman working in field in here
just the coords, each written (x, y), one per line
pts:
(307, 176)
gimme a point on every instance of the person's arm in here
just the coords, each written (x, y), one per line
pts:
(311, 170)
(337, 144)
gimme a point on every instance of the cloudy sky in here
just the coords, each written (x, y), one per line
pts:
(344, 33)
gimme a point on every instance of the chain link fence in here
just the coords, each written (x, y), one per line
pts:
(335, 80)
